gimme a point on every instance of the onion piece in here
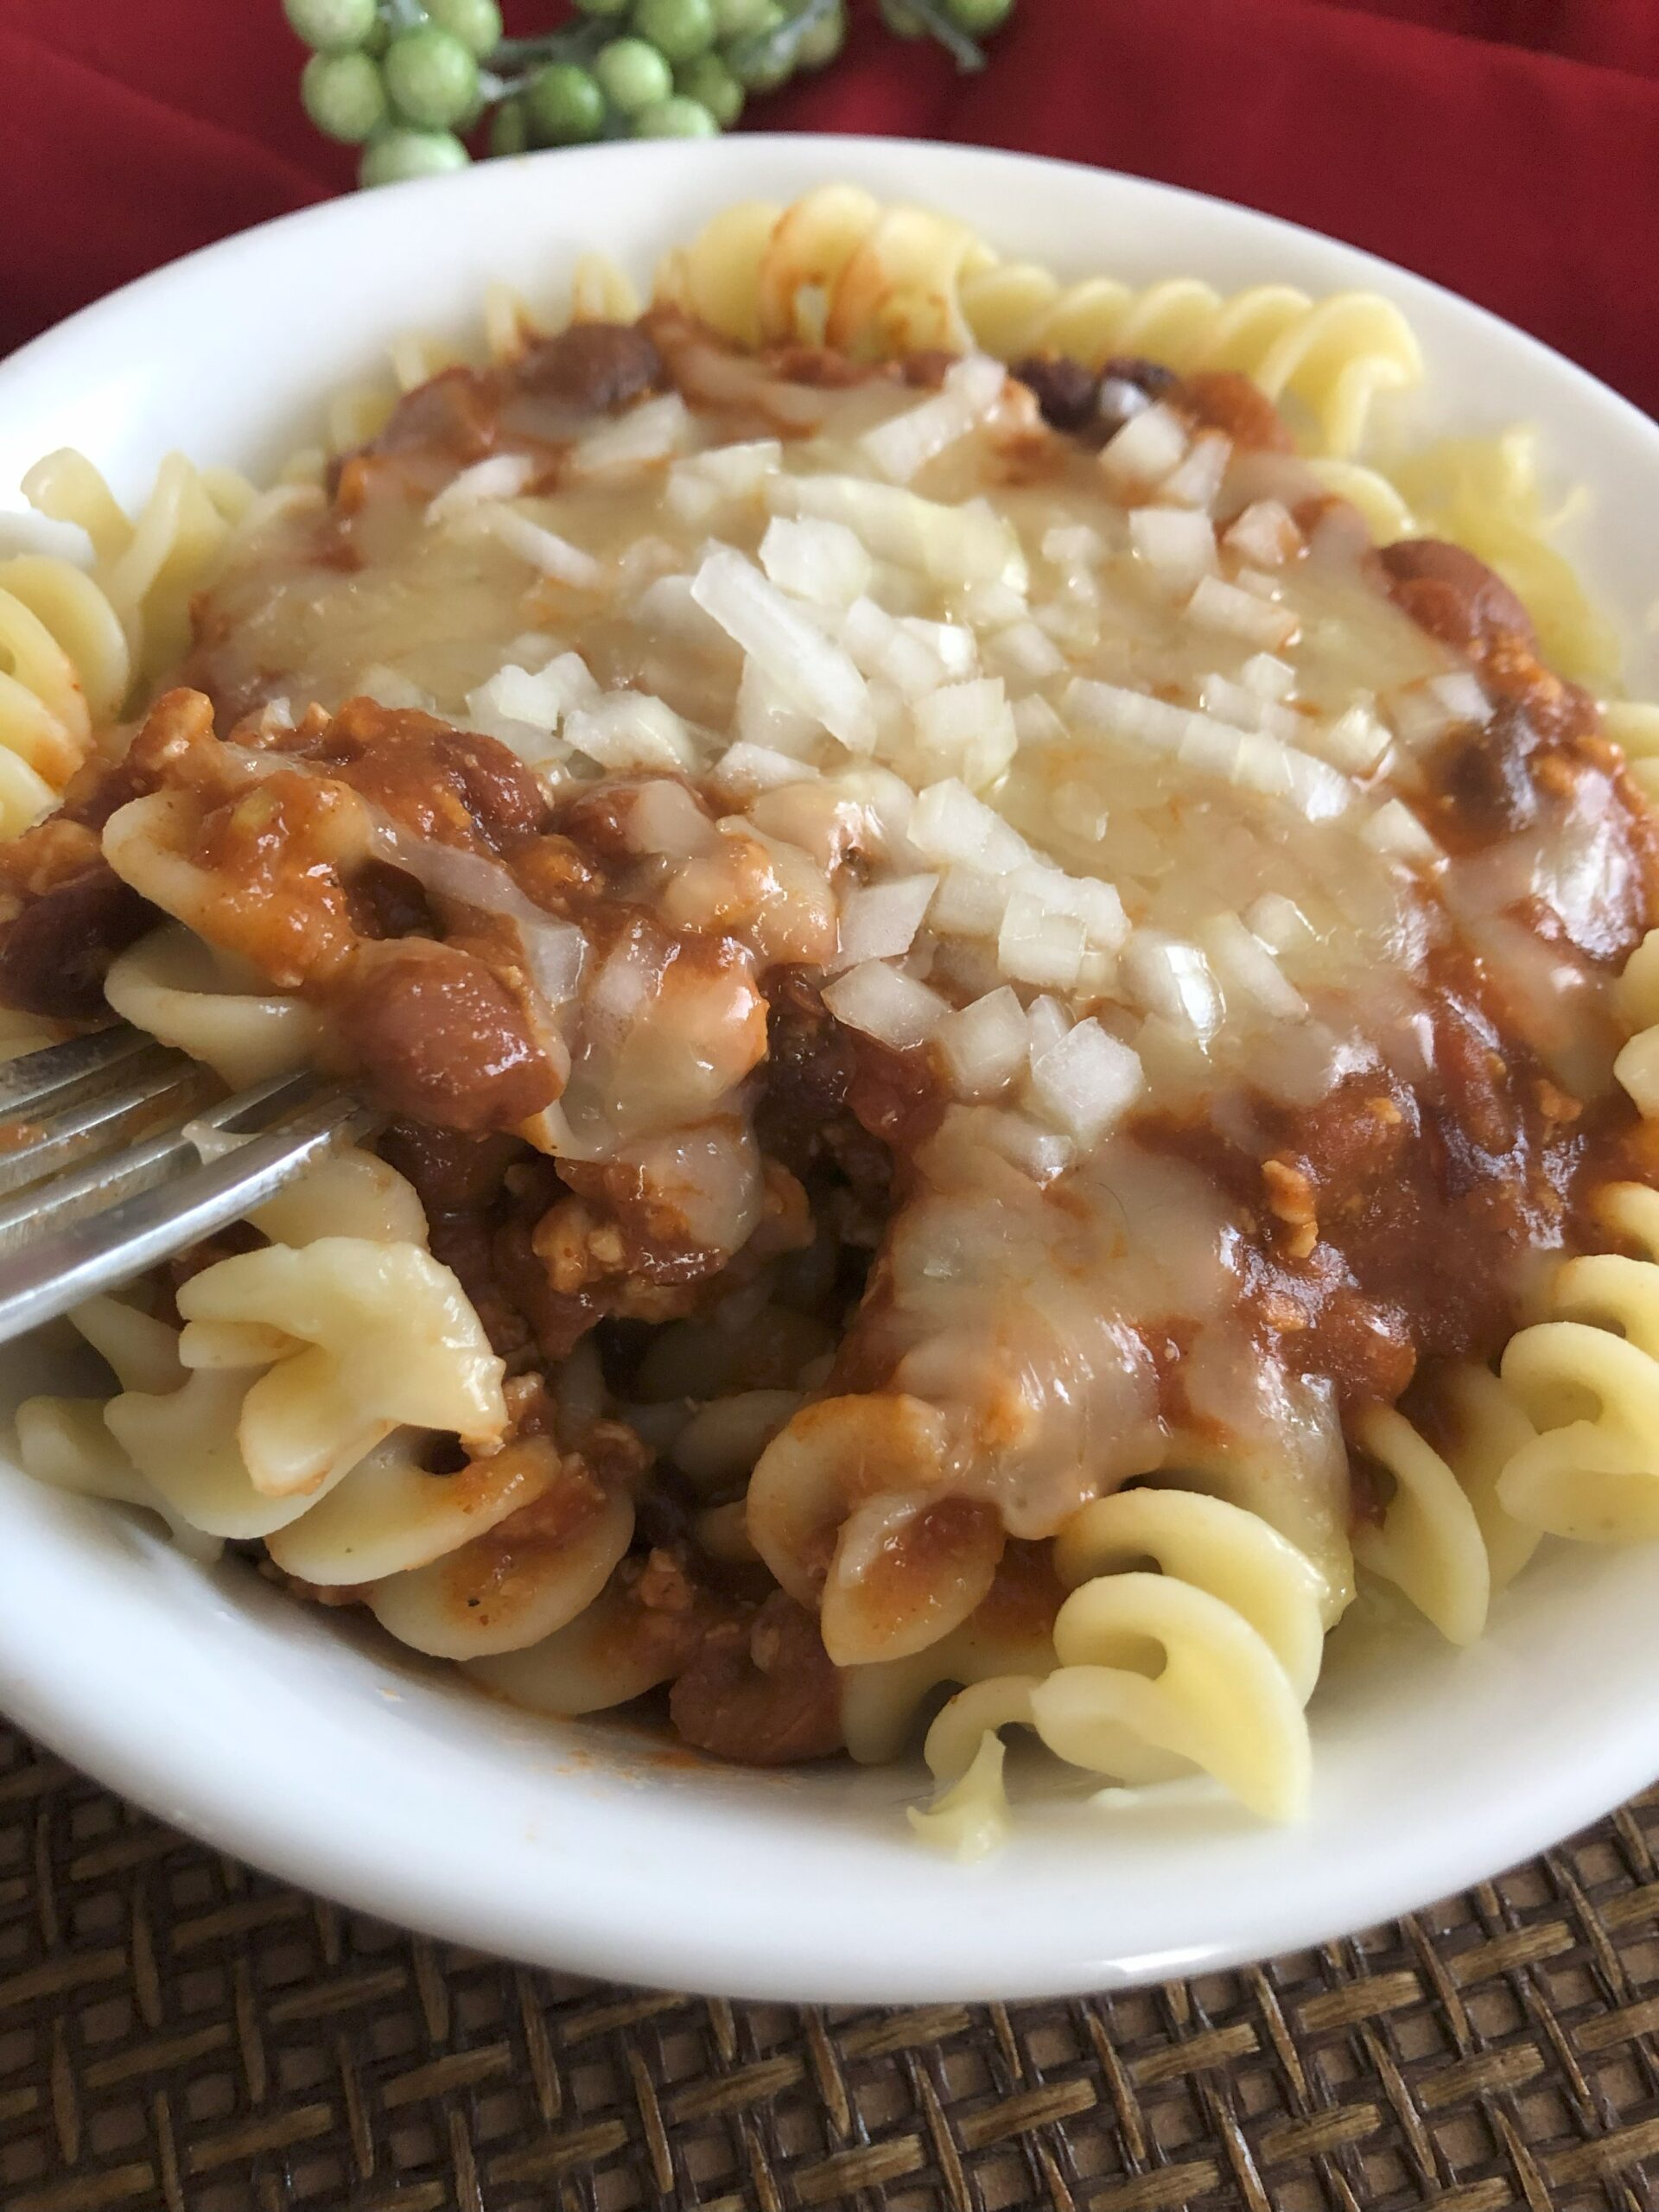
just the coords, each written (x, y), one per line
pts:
(1197, 481)
(1047, 1022)
(879, 921)
(1177, 543)
(1223, 607)
(1270, 677)
(955, 545)
(745, 770)
(1265, 533)
(1086, 1082)
(905, 444)
(1356, 742)
(1393, 829)
(968, 903)
(820, 560)
(1024, 649)
(1037, 945)
(652, 431)
(631, 730)
(983, 1045)
(1171, 978)
(1279, 923)
(1244, 965)
(503, 476)
(1090, 899)
(1248, 758)
(705, 481)
(970, 726)
(520, 708)
(542, 548)
(881, 645)
(949, 824)
(1147, 447)
(806, 667)
(1041, 1153)
(886, 1005)
(1423, 712)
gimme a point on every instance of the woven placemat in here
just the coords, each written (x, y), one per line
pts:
(178, 2033)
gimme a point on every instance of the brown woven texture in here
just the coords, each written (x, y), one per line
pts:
(178, 2033)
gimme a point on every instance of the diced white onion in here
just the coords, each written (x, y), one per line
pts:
(1047, 1022)
(1035, 721)
(515, 703)
(1036, 944)
(879, 921)
(968, 903)
(968, 726)
(1177, 543)
(667, 608)
(955, 545)
(885, 1004)
(907, 442)
(1024, 649)
(1356, 741)
(811, 671)
(503, 476)
(1395, 829)
(983, 1045)
(389, 686)
(704, 481)
(1248, 758)
(746, 769)
(1074, 546)
(991, 606)
(766, 718)
(1279, 923)
(629, 730)
(1272, 678)
(542, 548)
(949, 824)
(957, 647)
(1223, 607)
(1086, 1082)
(1147, 447)
(1423, 712)
(1244, 965)
(664, 818)
(1238, 703)
(1041, 1153)
(1087, 897)
(1265, 533)
(819, 561)
(881, 645)
(1170, 977)
(651, 432)
(1197, 481)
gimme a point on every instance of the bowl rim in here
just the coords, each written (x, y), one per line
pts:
(63, 1695)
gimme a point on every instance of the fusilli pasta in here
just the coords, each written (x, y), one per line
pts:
(838, 267)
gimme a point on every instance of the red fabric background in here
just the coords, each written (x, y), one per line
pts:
(1509, 148)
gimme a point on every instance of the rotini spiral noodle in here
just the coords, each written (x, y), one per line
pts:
(1588, 1380)
(1207, 1662)
(840, 268)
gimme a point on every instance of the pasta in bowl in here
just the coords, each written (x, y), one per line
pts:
(1005, 990)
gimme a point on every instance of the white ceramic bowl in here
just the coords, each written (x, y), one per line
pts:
(319, 1751)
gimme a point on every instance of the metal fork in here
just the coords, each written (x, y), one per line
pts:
(107, 1164)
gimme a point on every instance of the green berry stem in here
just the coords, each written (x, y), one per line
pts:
(966, 53)
(768, 57)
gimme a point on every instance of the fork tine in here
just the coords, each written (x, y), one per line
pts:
(35, 1077)
(95, 1119)
(104, 1183)
(45, 1274)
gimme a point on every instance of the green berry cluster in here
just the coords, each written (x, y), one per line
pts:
(407, 79)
